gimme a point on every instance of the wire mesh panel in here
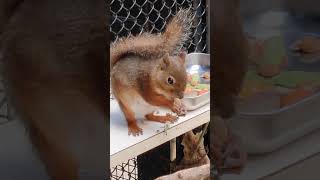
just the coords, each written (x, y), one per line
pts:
(125, 171)
(133, 17)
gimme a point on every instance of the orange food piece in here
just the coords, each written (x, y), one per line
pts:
(308, 44)
(294, 96)
(188, 89)
(202, 92)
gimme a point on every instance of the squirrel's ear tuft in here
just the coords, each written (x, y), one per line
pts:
(182, 57)
(165, 61)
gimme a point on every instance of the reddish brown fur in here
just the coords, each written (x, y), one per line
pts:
(155, 99)
(146, 80)
(150, 45)
(161, 119)
(150, 97)
(129, 114)
(126, 109)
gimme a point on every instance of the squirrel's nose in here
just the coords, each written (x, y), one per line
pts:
(180, 95)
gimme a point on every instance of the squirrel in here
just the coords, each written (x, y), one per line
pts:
(148, 71)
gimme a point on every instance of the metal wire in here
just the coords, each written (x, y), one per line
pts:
(138, 16)
(125, 171)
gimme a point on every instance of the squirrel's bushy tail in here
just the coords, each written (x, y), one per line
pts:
(176, 33)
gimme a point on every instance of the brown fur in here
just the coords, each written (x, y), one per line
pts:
(230, 65)
(141, 66)
(53, 70)
(162, 119)
(154, 45)
(143, 77)
(230, 56)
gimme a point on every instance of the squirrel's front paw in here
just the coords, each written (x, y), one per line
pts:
(179, 107)
(134, 129)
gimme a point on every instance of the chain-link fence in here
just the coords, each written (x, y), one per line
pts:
(125, 171)
(132, 17)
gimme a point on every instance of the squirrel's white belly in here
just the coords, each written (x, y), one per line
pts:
(139, 106)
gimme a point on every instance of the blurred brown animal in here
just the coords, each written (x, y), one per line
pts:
(53, 66)
(230, 59)
(230, 56)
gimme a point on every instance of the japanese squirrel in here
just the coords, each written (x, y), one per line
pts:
(148, 71)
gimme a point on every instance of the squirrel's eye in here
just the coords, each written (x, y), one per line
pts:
(170, 80)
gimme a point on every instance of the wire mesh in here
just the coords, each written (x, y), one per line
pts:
(137, 16)
(133, 17)
(125, 171)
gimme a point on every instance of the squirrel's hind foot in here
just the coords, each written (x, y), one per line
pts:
(134, 129)
(162, 119)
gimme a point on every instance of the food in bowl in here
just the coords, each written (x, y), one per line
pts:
(194, 85)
